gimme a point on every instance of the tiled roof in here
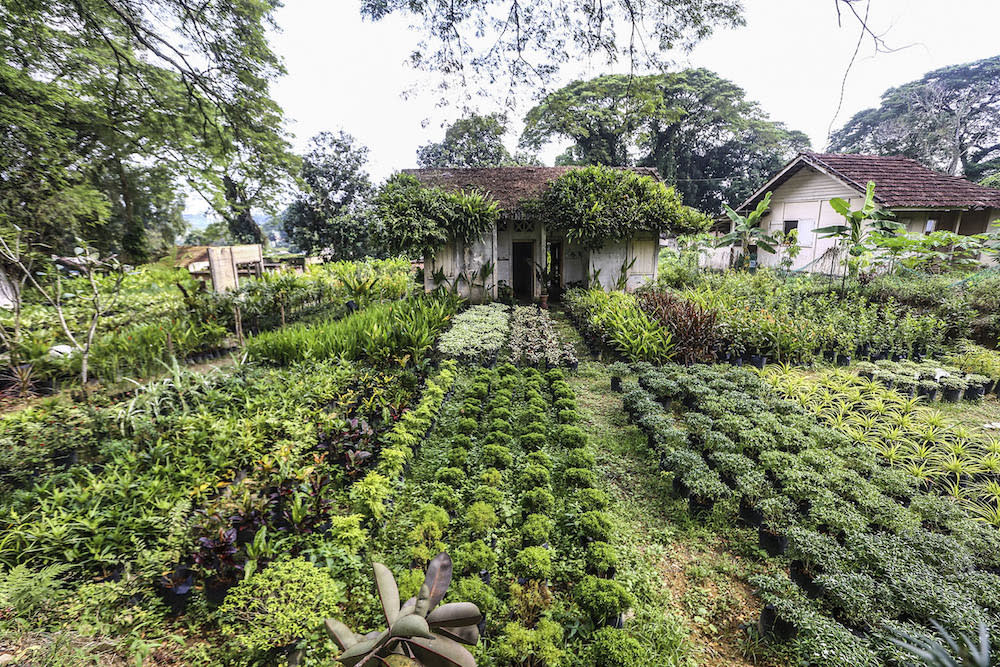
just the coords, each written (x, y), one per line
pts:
(508, 185)
(903, 183)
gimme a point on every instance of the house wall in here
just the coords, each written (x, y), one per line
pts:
(806, 197)
(578, 264)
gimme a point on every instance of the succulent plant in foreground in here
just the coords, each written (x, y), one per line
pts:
(419, 632)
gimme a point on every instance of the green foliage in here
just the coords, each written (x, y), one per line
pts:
(474, 557)
(538, 647)
(481, 517)
(533, 563)
(33, 596)
(602, 599)
(472, 142)
(614, 648)
(328, 217)
(536, 529)
(594, 206)
(414, 219)
(280, 604)
(696, 128)
(617, 318)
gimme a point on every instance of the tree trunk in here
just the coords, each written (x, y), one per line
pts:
(240, 221)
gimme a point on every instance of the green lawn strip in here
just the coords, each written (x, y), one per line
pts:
(686, 575)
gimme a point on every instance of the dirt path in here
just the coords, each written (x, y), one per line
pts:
(689, 583)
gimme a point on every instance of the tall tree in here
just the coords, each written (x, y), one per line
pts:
(474, 141)
(507, 44)
(949, 120)
(696, 128)
(330, 215)
(113, 86)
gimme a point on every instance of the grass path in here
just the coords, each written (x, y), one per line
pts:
(689, 582)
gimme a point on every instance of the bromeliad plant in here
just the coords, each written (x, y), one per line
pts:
(419, 632)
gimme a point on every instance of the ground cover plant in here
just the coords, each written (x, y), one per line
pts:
(868, 551)
(534, 340)
(478, 334)
(943, 454)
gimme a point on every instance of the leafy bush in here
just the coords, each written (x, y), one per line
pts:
(602, 599)
(533, 563)
(279, 605)
(614, 648)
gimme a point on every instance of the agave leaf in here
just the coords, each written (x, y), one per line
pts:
(441, 652)
(408, 606)
(454, 615)
(436, 584)
(467, 635)
(344, 637)
(388, 592)
(411, 625)
(354, 654)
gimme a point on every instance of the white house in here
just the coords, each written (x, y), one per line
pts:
(520, 243)
(921, 198)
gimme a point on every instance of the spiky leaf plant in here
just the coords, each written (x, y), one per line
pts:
(970, 653)
(419, 632)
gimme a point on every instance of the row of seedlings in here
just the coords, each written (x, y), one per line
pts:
(868, 554)
(506, 486)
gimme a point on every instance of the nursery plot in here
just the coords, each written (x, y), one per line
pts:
(943, 454)
(483, 334)
(478, 334)
(510, 494)
(868, 552)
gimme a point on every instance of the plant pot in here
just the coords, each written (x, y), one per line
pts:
(975, 393)
(868, 375)
(616, 621)
(698, 505)
(951, 395)
(736, 361)
(758, 361)
(843, 360)
(680, 488)
(543, 302)
(616, 383)
(802, 577)
(929, 394)
(898, 356)
(486, 577)
(750, 515)
(829, 355)
(879, 356)
(771, 623)
(771, 542)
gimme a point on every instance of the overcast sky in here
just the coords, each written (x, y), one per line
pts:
(344, 73)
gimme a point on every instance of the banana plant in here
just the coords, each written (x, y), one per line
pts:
(418, 634)
(747, 232)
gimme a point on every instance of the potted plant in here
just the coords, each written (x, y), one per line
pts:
(906, 385)
(952, 387)
(928, 389)
(618, 371)
(976, 386)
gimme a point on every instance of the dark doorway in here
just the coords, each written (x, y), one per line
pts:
(522, 269)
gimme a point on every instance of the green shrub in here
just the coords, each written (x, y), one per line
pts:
(498, 438)
(564, 404)
(446, 498)
(601, 599)
(539, 501)
(533, 563)
(601, 557)
(501, 426)
(497, 456)
(461, 442)
(579, 458)
(570, 437)
(472, 589)
(536, 529)
(533, 441)
(482, 518)
(279, 605)
(579, 478)
(478, 390)
(467, 425)
(555, 374)
(613, 648)
(540, 458)
(458, 457)
(474, 557)
(488, 494)
(568, 416)
(592, 499)
(450, 476)
(539, 647)
(595, 525)
(491, 477)
(502, 414)
(534, 476)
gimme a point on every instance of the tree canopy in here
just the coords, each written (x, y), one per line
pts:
(596, 205)
(696, 128)
(507, 44)
(106, 99)
(949, 120)
(473, 141)
(330, 215)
